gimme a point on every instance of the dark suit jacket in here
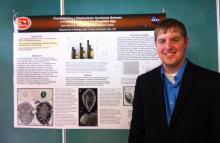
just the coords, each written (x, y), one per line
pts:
(196, 116)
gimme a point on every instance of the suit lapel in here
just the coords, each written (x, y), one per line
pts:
(184, 91)
(159, 94)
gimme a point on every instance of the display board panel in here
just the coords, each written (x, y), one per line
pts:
(79, 72)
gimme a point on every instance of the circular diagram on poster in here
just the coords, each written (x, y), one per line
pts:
(44, 112)
(25, 113)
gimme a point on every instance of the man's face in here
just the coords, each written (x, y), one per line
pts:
(171, 47)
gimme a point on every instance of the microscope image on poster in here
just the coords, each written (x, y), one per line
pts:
(82, 52)
(35, 107)
(128, 94)
(88, 115)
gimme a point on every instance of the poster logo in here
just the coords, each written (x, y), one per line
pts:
(23, 23)
(155, 20)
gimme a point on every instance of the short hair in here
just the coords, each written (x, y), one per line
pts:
(170, 23)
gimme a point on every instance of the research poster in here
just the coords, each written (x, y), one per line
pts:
(79, 72)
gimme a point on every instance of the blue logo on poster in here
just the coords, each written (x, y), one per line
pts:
(155, 20)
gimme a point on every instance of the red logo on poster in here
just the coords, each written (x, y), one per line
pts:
(23, 23)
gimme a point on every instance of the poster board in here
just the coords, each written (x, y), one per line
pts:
(79, 72)
(218, 30)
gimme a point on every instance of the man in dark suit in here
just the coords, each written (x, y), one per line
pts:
(177, 102)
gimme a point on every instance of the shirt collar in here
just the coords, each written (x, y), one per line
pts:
(179, 74)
